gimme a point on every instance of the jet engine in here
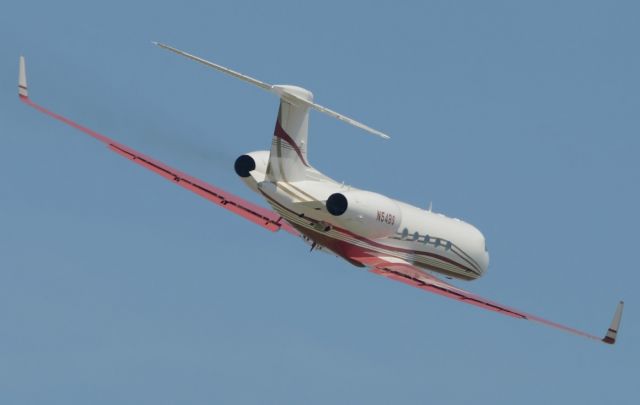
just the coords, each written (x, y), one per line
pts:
(252, 167)
(365, 213)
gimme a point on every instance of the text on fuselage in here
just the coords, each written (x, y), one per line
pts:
(386, 218)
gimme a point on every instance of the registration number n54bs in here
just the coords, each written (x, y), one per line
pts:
(386, 218)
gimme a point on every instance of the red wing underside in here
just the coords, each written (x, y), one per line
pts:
(410, 275)
(254, 213)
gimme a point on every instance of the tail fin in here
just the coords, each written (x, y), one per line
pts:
(288, 159)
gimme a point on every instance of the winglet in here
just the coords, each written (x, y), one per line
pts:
(612, 332)
(22, 79)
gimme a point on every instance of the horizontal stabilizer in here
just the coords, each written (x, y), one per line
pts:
(279, 90)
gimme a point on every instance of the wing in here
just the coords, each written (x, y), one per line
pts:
(254, 213)
(408, 274)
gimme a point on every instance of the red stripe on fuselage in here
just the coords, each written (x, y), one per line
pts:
(360, 256)
(345, 251)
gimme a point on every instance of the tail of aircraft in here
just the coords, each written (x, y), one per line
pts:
(288, 159)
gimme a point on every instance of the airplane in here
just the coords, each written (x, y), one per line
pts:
(367, 229)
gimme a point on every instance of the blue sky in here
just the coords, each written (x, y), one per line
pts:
(118, 287)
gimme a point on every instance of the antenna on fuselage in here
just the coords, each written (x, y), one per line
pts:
(430, 206)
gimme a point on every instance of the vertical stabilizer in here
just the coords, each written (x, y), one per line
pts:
(288, 159)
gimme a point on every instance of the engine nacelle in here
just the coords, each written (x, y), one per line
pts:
(368, 214)
(252, 167)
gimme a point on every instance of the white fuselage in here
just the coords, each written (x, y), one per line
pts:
(356, 224)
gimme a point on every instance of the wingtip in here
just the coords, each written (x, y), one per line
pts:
(22, 79)
(612, 333)
(161, 45)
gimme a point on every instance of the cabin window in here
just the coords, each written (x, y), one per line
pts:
(437, 244)
(447, 245)
(426, 239)
(416, 235)
(405, 233)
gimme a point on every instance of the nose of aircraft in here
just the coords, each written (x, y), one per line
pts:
(481, 252)
(484, 254)
(476, 246)
(485, 262)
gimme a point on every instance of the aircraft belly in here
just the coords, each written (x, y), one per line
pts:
(308, 217)
(357, 250)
